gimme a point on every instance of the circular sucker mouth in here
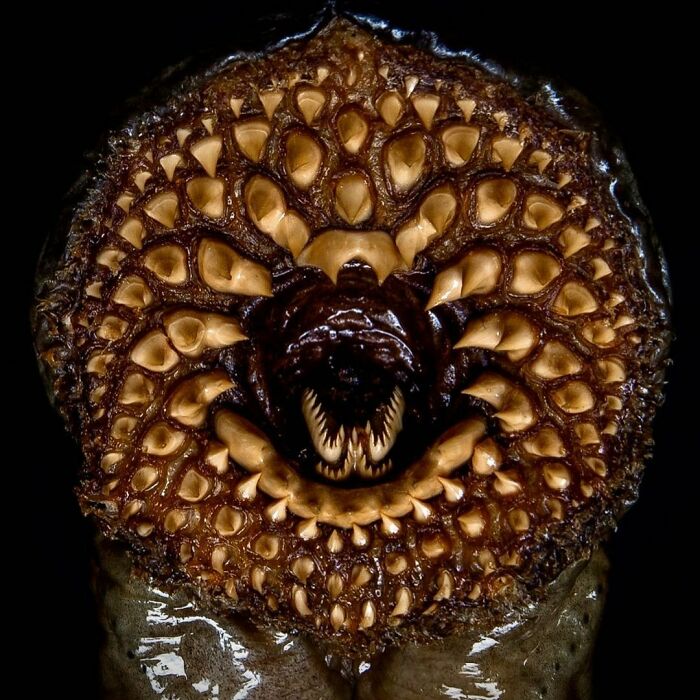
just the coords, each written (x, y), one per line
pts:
(357, 337)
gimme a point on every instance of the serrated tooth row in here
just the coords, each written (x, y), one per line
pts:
(330, 448)
(382, 441)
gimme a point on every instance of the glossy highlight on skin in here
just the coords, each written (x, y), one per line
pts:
(356, 340)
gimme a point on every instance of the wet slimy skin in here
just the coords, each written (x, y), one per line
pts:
(355, 338)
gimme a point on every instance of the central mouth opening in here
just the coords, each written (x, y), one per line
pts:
(346, 373)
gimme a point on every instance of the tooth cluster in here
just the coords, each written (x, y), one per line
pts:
(338, 152)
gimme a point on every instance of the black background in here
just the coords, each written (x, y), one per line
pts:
(88, 66)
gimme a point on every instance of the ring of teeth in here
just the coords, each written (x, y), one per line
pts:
(337, 154)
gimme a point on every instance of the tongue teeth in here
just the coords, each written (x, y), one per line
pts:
(361, 456)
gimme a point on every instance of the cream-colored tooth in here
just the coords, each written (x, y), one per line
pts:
(434, 546)
(208, 195)
(353, 199)
(161, 440)
(276, 512)
(540, 212)
(220, 556)
(360, 576)
(133, 292)
(182, 135)
(163, 208)
(600, 333)
(545, 443)
(515, 411)
(587, 434)
(144, 529)
(257, 578)
(506, 331)
(494, 199)
(247, 445)
(192, 332)
(303, 158)
(573, 397)
(422, 512)
(132, 508)
(455, 446)
(597, 465)
(410, 82)
(247, 488)
(98, 363)
(435, 214)
(170, 164)
(352, 130)
(224, 270)
(310, 102)
(501, 119)
(132, 230)
(454, 489)
(141, 178)
(459, 143)
(390, 526)
(270, 100)
(208, 124)
(600, 268)
(541, 159)
(426, 106)
(190, 401)
(194, 487)
(144, 479)
(94, 289)
(556, 476)
(207, 152)
(478, 272)
(123, 426)
(303, 567)
(251, 137)
(265, 203)
(332, 249)
(124, 201)
(360, 537)
(519, 520)
(168, 262)
(395, 563)
(334, 585)
(337, 617)
(507, 483)
(623, 319)
(300, 600)
(572, 239)
(555, 360)
(236, 104)
(110, 258)
(574, 299)
(267, 546)
(229, 521)
(403, 602)
(368, 615)
(153, 352)
(506, 150)
(472, 523)
(308, 529)
(137, 390)
(446, 586)
(487, 457)
(405, 160)
(467, 106)
(390, 106)
(611, 370)
(533, 271)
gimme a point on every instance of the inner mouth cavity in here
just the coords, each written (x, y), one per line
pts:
(353, 450)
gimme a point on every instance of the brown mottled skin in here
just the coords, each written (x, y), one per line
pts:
(436, 542)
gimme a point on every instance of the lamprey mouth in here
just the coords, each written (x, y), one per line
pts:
(357, 337)
(353, 450)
